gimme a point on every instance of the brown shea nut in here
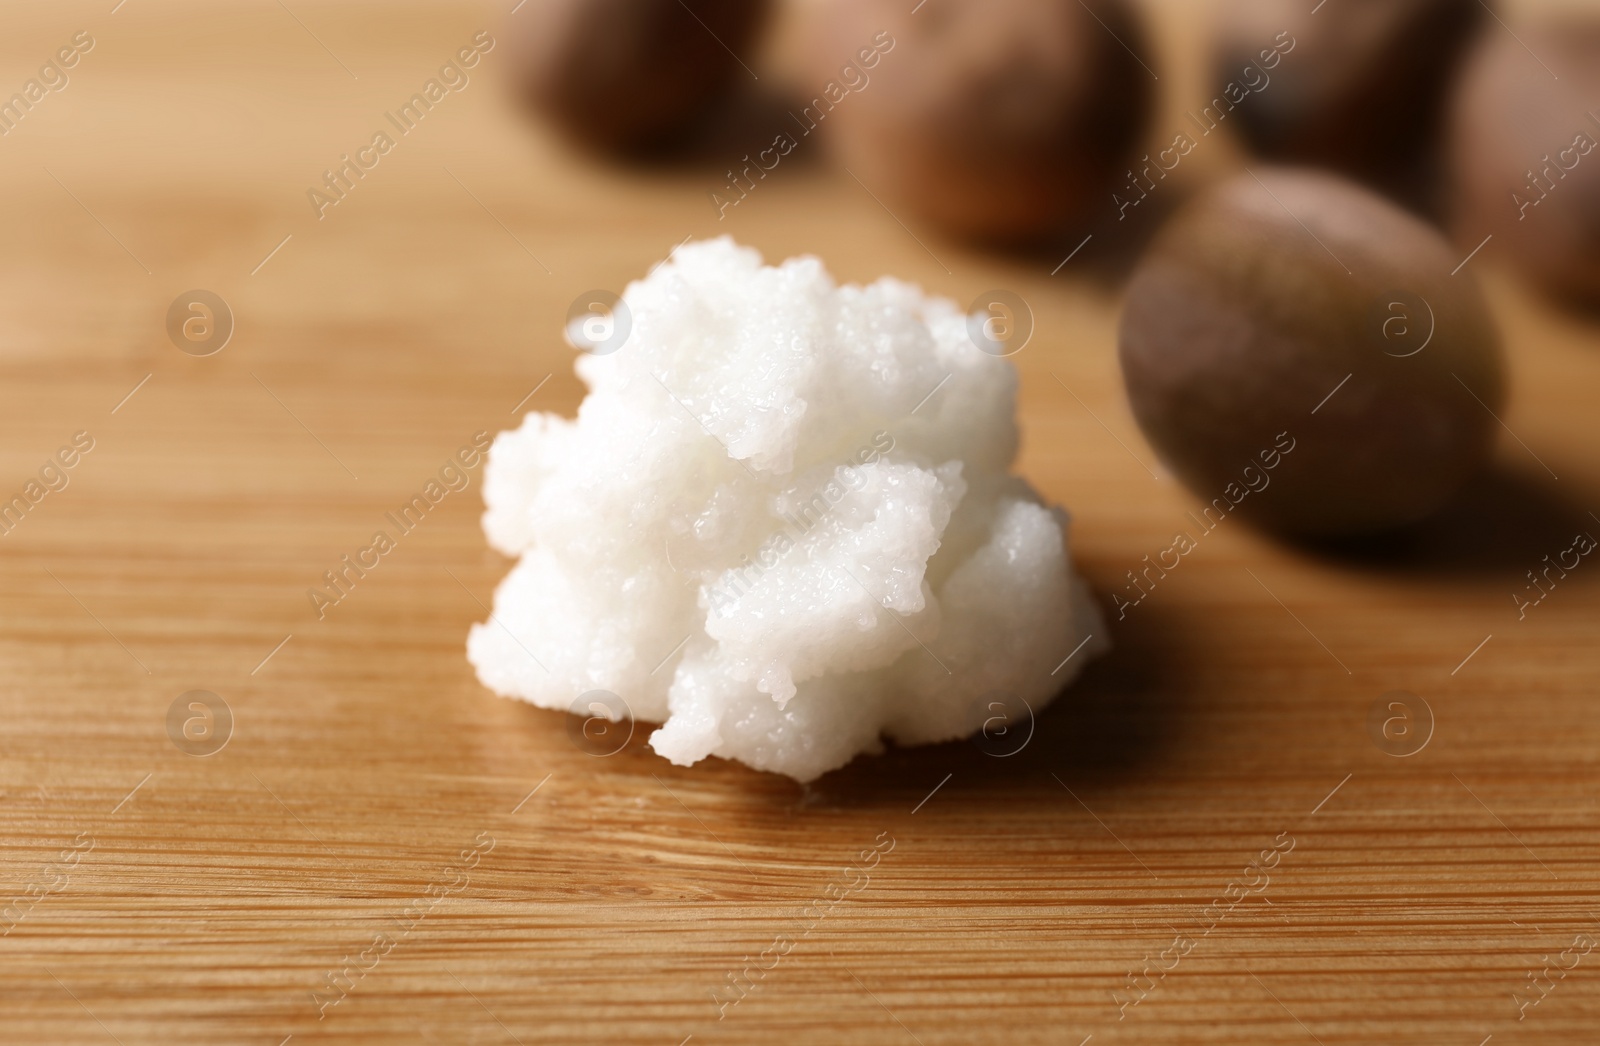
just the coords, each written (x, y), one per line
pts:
(1001, 120)
(625, 75)
(1526, 157)
(1360, 86)
(1297, 350)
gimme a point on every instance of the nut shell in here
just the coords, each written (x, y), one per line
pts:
(627, 75)
(1526, 154)
(1363, 90)
(1001, 120)
(1257, 301)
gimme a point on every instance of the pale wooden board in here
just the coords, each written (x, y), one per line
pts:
(365, 756)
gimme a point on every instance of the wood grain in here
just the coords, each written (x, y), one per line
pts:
(211, 896)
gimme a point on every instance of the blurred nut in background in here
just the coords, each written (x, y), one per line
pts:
(628, 75)
(1297, 347)
(1004, 120)
(1526, 157)
(1362, 90)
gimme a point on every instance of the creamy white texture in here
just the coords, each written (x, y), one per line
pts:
(760, 485)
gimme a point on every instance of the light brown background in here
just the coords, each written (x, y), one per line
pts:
(365, 755)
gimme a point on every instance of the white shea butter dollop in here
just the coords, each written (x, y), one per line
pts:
(781, 525)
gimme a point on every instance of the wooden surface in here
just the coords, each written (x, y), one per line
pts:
(206, 899)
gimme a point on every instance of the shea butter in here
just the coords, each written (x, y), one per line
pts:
(781, 525)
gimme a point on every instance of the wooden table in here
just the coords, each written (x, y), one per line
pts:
(1100, 883)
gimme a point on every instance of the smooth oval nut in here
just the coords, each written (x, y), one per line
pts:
(1281, 309)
